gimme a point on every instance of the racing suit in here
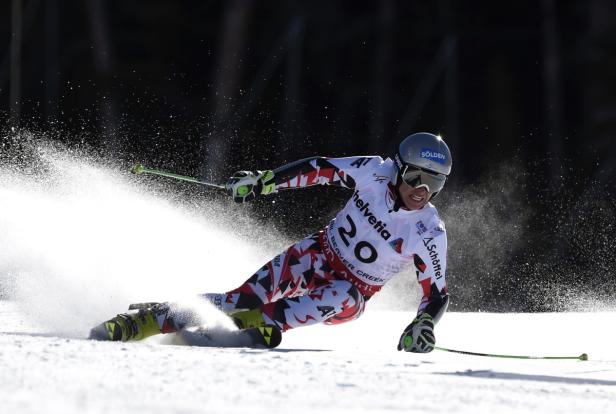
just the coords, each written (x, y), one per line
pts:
(328, 276)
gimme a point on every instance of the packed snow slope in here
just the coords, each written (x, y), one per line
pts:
(80, 240)
(334, 369)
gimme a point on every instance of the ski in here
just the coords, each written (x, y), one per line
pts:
(266, 337)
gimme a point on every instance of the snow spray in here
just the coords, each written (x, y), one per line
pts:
(81, 239)
(511, 249)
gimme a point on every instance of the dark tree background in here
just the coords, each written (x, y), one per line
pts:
(523, 92)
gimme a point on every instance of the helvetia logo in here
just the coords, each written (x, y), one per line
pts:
(432, 155)
(378, 225)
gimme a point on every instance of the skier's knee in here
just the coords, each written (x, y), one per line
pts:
(351, 310)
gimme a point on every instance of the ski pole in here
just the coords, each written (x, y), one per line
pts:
(140, 169)
(583, 357)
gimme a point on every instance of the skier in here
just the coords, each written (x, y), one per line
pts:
(386, 225)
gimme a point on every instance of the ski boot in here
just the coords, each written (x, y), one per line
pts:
(252, 323)
(244, 319)
(150, 319)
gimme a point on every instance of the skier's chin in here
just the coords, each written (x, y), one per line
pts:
(412, 204)
(413, 198)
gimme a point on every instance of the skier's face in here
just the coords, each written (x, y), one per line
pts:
(413, 198)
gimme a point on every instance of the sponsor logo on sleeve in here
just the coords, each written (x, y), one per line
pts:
(380, 178)
(433, 253)
(360, 162)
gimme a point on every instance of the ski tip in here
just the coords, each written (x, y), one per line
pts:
(138, 168)
(584, 357)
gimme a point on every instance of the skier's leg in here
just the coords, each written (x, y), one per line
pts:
(293, 272)
(149, 319)
(337, 302)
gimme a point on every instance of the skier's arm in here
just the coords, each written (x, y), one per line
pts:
(246, 185)
(434, 303)
(325, 171)
(430, 261)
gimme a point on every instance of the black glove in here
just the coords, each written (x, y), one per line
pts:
(419, 335)
(244, 186)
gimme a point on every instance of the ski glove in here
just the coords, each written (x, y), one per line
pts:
(419, 335)
(244, 186)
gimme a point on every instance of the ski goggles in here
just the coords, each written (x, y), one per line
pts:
(417, 177)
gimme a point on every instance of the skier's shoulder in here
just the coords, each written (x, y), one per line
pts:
(361, 167)
(376, 166)
(432, 220)
(358, 161)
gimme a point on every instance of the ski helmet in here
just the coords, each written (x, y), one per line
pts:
(424, 160)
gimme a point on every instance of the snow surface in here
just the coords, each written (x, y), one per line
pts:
(79, 241)
(337, 369)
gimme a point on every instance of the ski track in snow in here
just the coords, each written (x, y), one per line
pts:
(346, 368)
